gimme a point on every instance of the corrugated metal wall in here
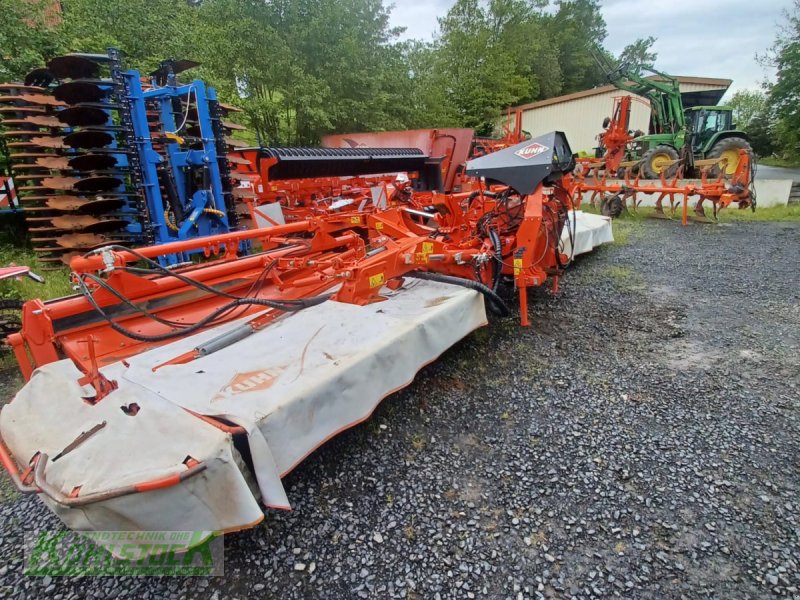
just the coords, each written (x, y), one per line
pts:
(582, 119)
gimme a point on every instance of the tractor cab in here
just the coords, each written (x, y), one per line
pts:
(705, 122)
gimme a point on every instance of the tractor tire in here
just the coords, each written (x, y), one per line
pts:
(652, 161)
(729, 148)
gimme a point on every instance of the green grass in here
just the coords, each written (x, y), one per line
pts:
(791, 163)
(790, 212)
(626, 224)
(624, 278)
(56, 282)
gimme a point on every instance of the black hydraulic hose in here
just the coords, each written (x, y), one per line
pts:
(187, 280)
(496, 303)
(100, 283)
(277, 305)
(498, 255)
(477, 193)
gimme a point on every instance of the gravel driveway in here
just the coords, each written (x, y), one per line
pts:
(641, 439)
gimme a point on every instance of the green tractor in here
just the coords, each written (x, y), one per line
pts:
(700, 132)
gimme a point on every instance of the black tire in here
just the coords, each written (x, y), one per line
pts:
(10, 317)
(651, 169)
(731, 146)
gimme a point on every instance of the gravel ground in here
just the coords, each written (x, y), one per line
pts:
(640, 440)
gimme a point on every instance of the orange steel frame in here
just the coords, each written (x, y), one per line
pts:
(310, 197)
(720, 190)
(302, 259)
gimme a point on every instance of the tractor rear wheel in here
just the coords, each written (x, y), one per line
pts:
(656, 161)
(729, 149)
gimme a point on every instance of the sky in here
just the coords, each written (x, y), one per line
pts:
(702, 38)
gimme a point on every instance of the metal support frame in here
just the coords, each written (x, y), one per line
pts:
(204, 211)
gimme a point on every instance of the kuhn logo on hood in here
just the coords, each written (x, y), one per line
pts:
(245, 382)
(531, 150)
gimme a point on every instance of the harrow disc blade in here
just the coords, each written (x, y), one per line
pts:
(229, 108)
(82, 116)
(17, 88)
(243, 194)
(40, 77)
(20, 134)
(98, 205)
(235, 143)
(53, 162)
(27, 167)
(24, 147)
(177, 66)
(74, 92)
(41, 121)
(233, 126)
(88, 224)
(237, 160)
(88, 138)
(97, 183)
(40, 99)
(92, 162)
(60, 183)
(28, 155)
(56, 143)
(20, 111)
(76, 241)
(74, 67)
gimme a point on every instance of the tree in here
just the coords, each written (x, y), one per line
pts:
(761, 131)
(784, 94)
(480, 75)
(576, 29)
(28, 37)
(746, 105)
(640, 52)
(304, 68)
(146, 31)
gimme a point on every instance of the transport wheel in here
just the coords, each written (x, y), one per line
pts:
(729, 149)
(656, 160)
(612, 206)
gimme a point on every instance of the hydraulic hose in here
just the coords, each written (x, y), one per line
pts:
(498, 254)
(210, 318)
(496, 304)
(476, 193)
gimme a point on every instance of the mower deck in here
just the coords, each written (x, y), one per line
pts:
(205, 440)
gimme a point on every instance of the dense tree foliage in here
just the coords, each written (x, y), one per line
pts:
(782, 113)
(751, 114)
(304, 68)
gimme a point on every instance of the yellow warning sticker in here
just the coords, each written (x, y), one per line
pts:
(355, 220)
(378, 225)
(427, 247)
(517, 266)
(377, 280)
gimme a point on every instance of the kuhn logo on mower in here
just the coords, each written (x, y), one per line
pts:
(531, 150)
(245, 382)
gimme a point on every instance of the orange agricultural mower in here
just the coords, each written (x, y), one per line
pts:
(177, 398)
